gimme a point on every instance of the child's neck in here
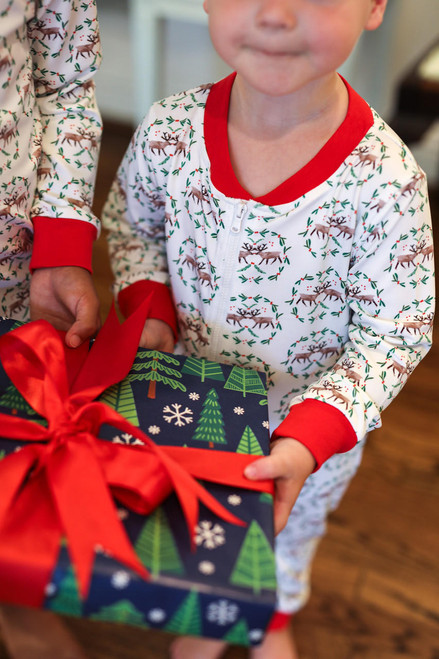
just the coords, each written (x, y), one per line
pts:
(270, 139)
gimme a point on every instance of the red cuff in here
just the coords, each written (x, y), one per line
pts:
(162, 306)
(319, 426)
(279, 621)
(60, 242)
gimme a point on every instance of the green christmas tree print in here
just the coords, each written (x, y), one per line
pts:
(210, 427)
(122, 611)
(67, 599)
(187, 618)
(156, 547)
(120, 398)
(13, 399)
(248, 443)
(238, 634)
(159, 369)
(245, 380)
(203, 369)
(255, 567)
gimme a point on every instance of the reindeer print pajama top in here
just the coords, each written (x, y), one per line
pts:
(326, 283)
(50, 132)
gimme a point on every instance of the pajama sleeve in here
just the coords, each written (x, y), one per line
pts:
(390, 292)
(134, 217)
(65, 51)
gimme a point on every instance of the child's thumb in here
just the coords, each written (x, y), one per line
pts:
(260, 469)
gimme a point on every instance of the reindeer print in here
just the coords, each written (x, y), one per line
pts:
(365, 157)
(198, 195)
(356, 294)
(49, 172)
(417, 323)
(194, 329)
(159, 146)
(46, 31)
(407, 260)
(88, 49)
(7, 133)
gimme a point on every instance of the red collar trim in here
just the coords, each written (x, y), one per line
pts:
(358, 120)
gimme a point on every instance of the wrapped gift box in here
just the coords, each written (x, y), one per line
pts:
(224, 587)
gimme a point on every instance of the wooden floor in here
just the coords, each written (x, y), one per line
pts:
(376, 575)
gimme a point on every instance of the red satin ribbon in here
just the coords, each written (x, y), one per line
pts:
(62, 482)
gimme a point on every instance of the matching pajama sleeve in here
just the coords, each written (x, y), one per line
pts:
(134, 217)
(390, 291)
(65, 51)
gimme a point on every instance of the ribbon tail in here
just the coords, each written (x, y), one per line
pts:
(30, 545)
(99, 371)
(87, 512)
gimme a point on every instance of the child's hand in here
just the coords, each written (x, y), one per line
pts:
(157, 335)
(289, 463)
(66, 297)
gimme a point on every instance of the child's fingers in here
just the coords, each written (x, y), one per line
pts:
(86, 324)
(279, 464)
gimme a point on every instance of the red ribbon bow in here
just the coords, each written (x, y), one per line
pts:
(62, 482)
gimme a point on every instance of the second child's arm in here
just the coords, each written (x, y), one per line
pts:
(65, 49)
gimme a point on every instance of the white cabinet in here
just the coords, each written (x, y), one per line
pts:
(152, 48)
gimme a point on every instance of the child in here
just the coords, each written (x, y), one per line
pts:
(282, 226)
(50, 132)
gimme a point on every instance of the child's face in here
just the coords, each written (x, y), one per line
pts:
(279, 46)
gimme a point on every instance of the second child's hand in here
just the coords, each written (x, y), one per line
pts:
(157, 335)
(65, 296)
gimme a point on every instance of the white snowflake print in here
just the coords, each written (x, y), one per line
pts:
(208, 535)
(239, 410)
(174, 414)
(153, 430)
(50, 589)
(126, 439)
(234, 499)
(223, 612)
(120, 579)
(206, 567)
(156, 615)
(255, 635)
(194, 396)
(266, 424)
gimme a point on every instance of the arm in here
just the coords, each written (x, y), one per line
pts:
(390, 291)
(134, 218)
(64, 43)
